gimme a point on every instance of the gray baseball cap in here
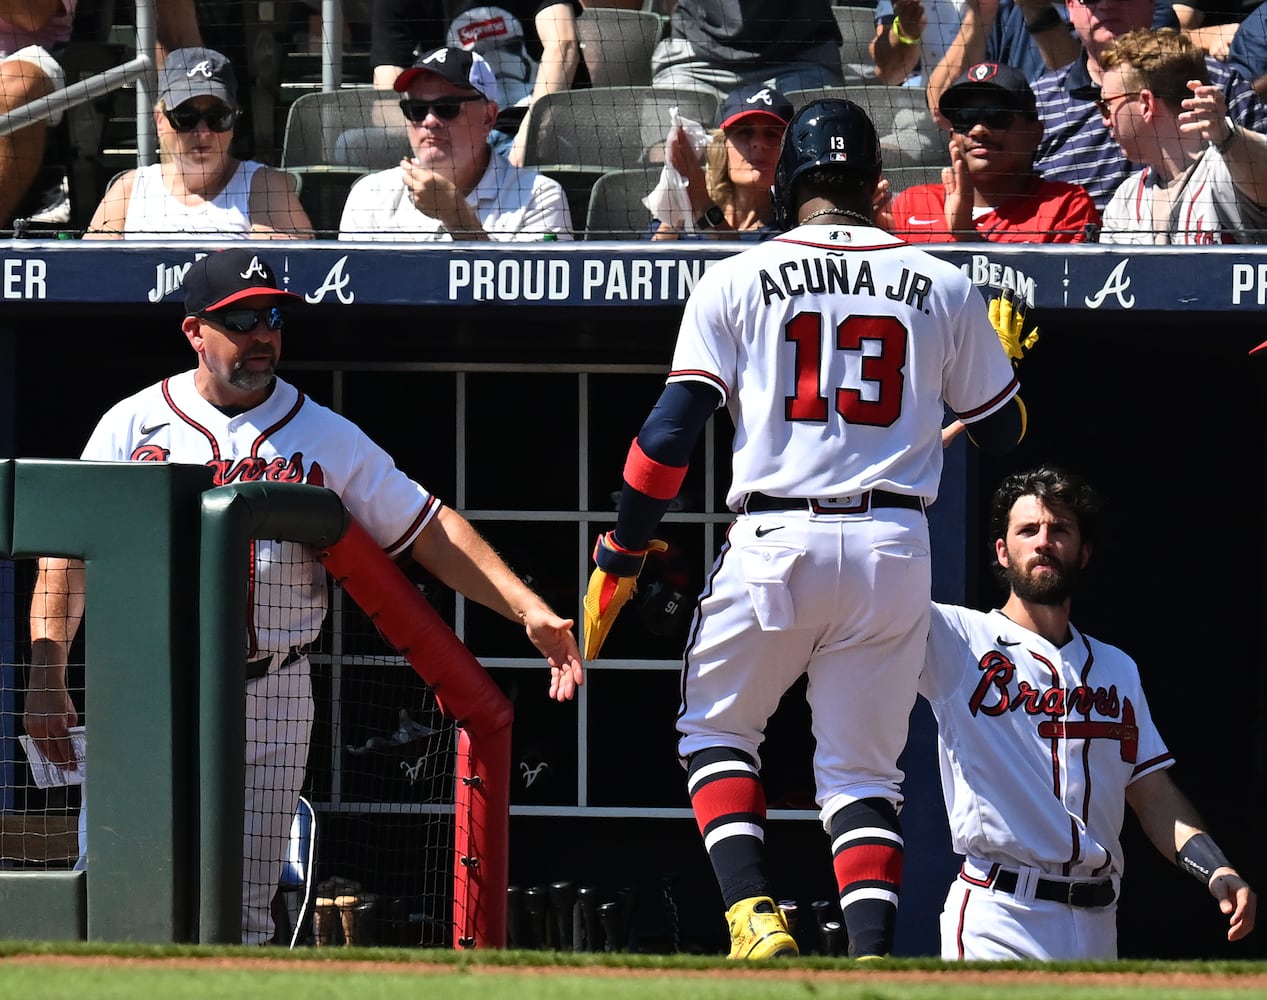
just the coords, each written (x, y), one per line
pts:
(194, 73)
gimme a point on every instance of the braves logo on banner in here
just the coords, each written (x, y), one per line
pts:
(1115, 284)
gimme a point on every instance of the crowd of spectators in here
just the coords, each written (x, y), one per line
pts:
(1038, 138)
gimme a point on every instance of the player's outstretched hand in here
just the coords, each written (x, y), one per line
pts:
(1236, 900)
(1007, 316)
(611, 585)
(553, 636)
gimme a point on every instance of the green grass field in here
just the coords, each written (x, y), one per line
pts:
(104, 972)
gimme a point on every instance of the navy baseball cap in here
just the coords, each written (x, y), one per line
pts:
(1003, 84)
(222, 278)
(754, 100)
(190, 73)
(461, 67)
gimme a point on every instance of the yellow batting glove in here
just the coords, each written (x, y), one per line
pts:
(1007, 316)
(611, 585)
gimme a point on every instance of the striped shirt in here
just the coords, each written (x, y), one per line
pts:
(1077, 146)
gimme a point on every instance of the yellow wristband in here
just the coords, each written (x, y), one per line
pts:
(903, 39)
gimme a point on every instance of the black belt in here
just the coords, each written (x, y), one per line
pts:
(1082, 894)
(255, 669)
(759, 503)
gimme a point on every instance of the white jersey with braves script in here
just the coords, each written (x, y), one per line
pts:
(841, 343)
(1203, 208)
(287, 438)
(1037, 743)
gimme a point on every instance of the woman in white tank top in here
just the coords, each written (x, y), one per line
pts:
(198, 187)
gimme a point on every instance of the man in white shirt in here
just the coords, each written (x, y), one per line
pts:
(455, 187)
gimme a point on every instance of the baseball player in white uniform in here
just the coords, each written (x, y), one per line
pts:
(1044, 735)
(233, 414)
(835, 348)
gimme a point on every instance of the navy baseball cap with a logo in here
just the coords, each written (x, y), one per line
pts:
(758, 101)
(461, 67)
(222, 278)
(1005, 85)
(190, 73)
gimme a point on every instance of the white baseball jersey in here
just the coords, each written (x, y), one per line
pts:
(287, 438)
(1037, 743)
(1207, 208)
(843, 342)
(153, 211)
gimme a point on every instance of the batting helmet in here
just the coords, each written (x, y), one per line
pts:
(823, 133)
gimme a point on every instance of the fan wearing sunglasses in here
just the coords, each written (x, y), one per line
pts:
(990, 191)
(455, 186)
(199, 187)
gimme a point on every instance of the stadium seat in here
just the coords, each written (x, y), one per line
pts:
(908, 135)
(353, 127)
(577, 183)
(857, 29)
(294, 885)
(322, 191)
(616, 211)
(617, 45)
(608, 128)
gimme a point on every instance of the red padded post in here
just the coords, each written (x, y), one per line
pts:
(469, 696)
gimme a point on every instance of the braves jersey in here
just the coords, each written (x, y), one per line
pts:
(288, 438)
(1051, 212)
(841, 343)
(1037, 743)
(1207, 208)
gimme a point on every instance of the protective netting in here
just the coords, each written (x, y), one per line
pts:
(571, 120)
(371, 864)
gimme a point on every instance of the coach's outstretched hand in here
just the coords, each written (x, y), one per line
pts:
(611, 585)
(553, 636)
(1236, 900)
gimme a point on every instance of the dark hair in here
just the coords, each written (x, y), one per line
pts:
(1056, 488)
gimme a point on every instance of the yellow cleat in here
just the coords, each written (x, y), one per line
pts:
(758, 930)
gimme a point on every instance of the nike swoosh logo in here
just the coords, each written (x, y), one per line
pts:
(912, 221)
(762, 532)
(1003, 642)
(150, 430)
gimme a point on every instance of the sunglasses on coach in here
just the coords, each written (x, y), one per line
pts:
(246, 320)
(963, 119)
(446, 108)
(218, 118)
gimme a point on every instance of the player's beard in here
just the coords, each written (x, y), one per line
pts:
(1052, 588)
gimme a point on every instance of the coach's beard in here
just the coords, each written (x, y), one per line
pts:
(248, 380)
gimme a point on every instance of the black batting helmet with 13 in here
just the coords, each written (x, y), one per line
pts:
(823, 133)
